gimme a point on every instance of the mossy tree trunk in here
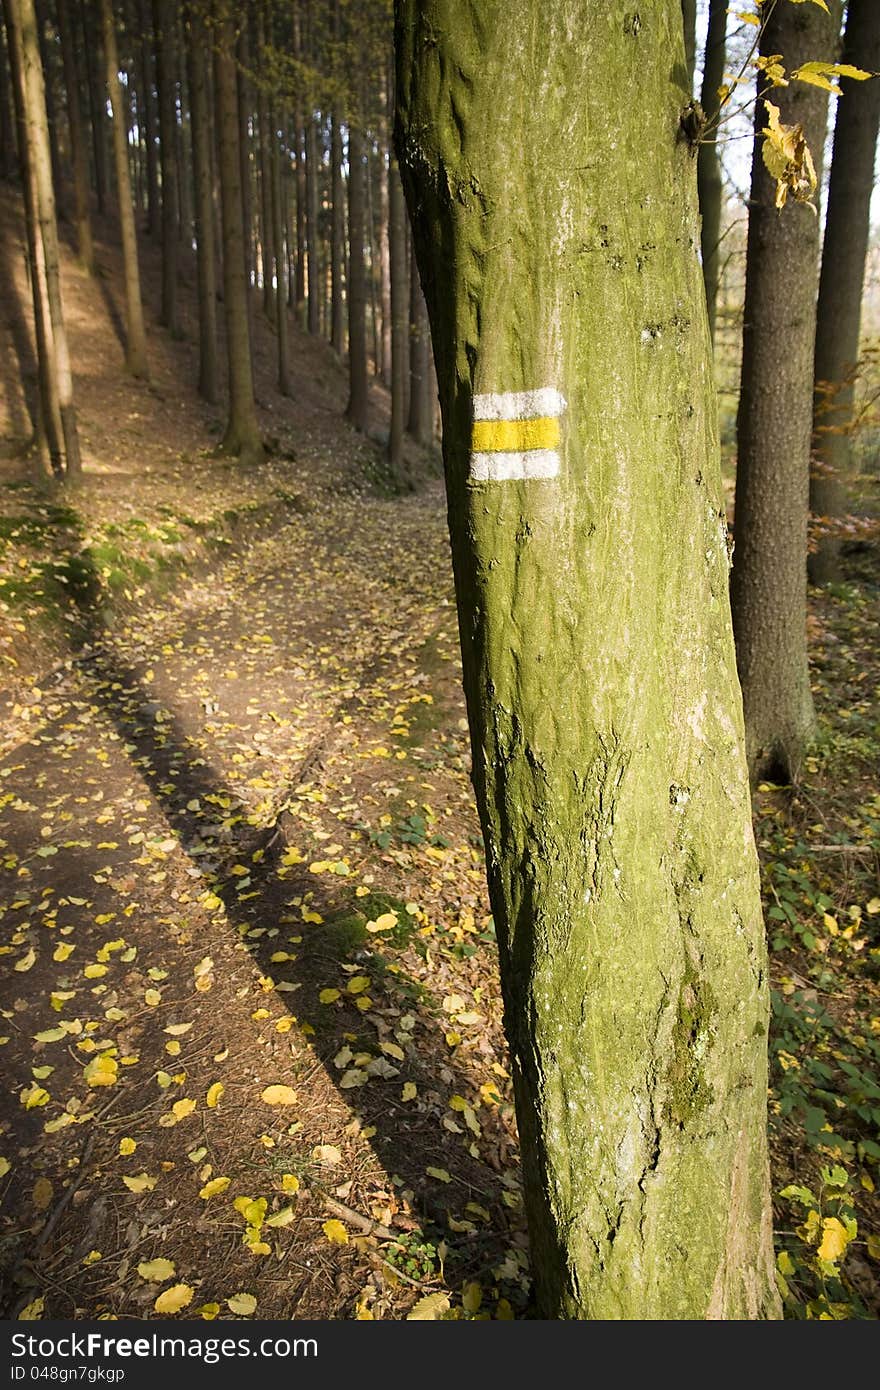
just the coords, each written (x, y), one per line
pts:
(242, 436)
(709, 185)
(844, 253)
(197, 51)
(588, 537)
(774, 424)
(689, 17)
(135, 336)
(420, 421)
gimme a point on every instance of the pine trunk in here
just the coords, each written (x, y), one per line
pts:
(356, 411)
(197, 49)
(242, 436)
(380, 172)
(78, 154)
(588, 539)
(769, 585)
(136, 338)
(39, 160)
(163, 27)
(844, 254)
(709, 184)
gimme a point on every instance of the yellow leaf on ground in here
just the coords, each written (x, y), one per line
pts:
(32, 1312)
(410, 1091)
(212, 1188)
(126, 1147)
(279, 1095)
(42, 1193)
(156, 1271)
(26, 960)
(429, 1309)
(242, 1303)
(212, 1099)
(439, 1173)
(289, 1182)
(181, 1108)
(173, 1299)
(335, 1232)
(101, 1071)
(141, 1183)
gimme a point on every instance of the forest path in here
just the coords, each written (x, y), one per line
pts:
(214, 809)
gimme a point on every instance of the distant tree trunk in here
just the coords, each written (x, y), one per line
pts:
(337, 242)
(78, 156)
(709, 185)
(300, 281)
(380, 184)
(163, 26)
(268, 139)
(198, 48)
(136, 338)
(287, 175)
(314, 260)
(280, 298)
(7, 123)
(399, 265)
(149, 106)
(769, 584)
(39, 165)
(844, 253)
(586, 511)
(242, 436)
(420, 423)
(185, 180)
(51, 109)
(689, 15)
(356, 411)
(244, 149)
(97, 108)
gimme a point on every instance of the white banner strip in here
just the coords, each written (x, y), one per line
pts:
(519, 405)
(502, 467)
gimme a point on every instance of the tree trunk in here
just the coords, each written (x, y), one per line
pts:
(51, 109)
(184, 149)
(97, 108)
(78, 155)
(769, 585)
(380, 171)
(149, 105)
(399, 264)
(689, 15)
(587, 524)
(197, 49)
(844, 253)
(708, 164)
(356, 410)
(39, 165)
(268, 139)
(244, 149)
(337, 241)
(242, 436)
(136, 338)
(300, 280)
(7, 123)
(48, 433)
(278, 248)
(163, 27)
(420, 423)
(313, 256)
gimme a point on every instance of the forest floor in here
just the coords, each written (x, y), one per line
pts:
(251, 1031)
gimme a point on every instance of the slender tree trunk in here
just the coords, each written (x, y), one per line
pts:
(375, 279)
(314, 260)
(769, 586)
(356, 411)
(97, 109)
(185, 179)
(615, 806)
(149, 105)
(163, 27)
(844, 254)
(268, 139)
(242, 436)
(48, 433)
(300, 283)
(136, 338)
(280, 298)
(399, 264)
(78, 155)
(7, 123)
(39, 162)
(709, 184)
(198, 47)
(380, 168)
(420, 422)
(337, 242)
(51, 109)
(689, 16)
(244, 147)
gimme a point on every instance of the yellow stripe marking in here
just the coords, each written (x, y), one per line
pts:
(490, 436)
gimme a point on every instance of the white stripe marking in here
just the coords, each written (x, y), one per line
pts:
(501, 467)
(519, 405)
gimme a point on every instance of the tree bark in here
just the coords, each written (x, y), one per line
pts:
(97, 109)
(587, 524)
(7, 123)
(267, 141)
(356, 411)
(844, 254)
(136, 338)
(313, 320)
(689, 16)
(197, 48)
(769, 585)
(242, 436)
(51, 109)
(337, 242)
(163, 27)
(78, 155)
(279, 257)
(23, 19)
(709, 184)
(398, 264)
(380, 172)
(420, 422)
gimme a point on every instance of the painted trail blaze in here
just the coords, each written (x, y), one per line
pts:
(516, 435)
